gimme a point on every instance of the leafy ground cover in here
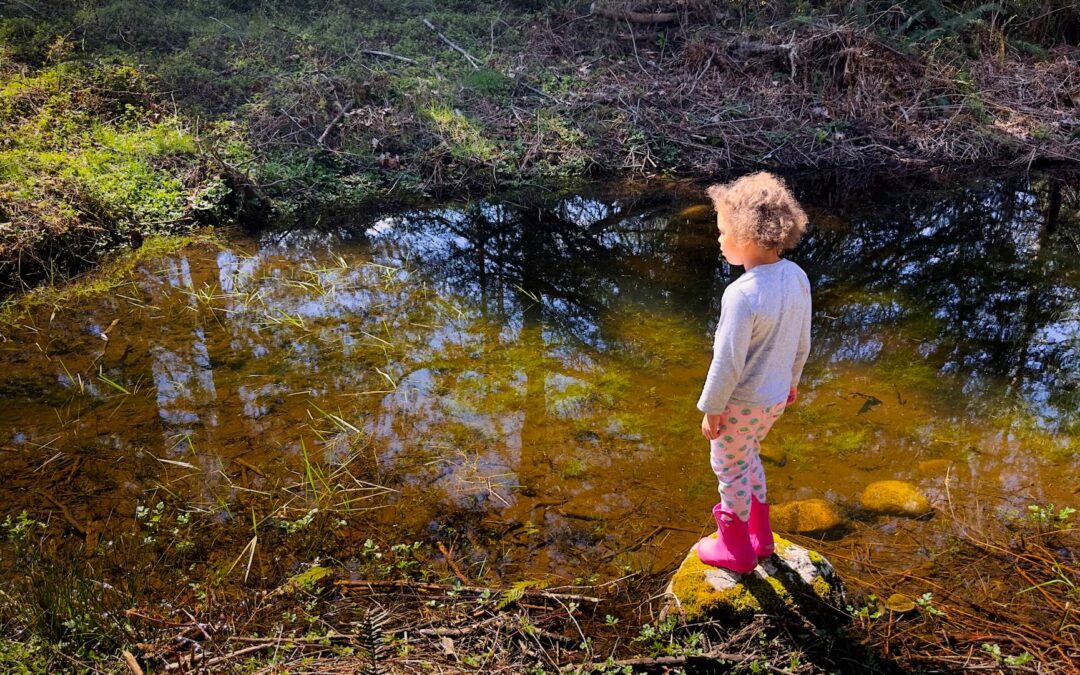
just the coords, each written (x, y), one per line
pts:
(122, 117)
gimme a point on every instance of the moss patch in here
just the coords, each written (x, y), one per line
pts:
(896, 498)
(805, 516)
(699, 599)
(706, 593)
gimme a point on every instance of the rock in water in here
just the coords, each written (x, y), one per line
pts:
(699, 213)
(895, 498)
(936, 467)
(807, 516)
(793, 579)
(773, 453)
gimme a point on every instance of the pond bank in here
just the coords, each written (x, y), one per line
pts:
(174, 118)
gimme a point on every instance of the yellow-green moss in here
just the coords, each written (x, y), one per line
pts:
(778, 587)
(781, 544)
(698, 598)
(808, 515)
(822, 589)
(894, 497)
(773, 453)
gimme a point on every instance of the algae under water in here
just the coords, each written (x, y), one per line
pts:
(518, 375)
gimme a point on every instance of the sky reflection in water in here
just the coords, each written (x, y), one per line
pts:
(538, 360)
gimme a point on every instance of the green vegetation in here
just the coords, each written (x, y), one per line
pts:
(87, 164)
(125, 117)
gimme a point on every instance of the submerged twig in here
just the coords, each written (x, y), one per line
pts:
(63, 511)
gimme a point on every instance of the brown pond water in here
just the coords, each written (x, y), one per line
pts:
(517, 377)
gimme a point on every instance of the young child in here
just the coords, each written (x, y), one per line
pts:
(761, 345)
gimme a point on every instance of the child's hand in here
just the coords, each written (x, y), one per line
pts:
(791, 396)
(710, 426)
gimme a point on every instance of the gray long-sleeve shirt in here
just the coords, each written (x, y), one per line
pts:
(762, 340)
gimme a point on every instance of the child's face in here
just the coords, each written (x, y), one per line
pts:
(730, 248)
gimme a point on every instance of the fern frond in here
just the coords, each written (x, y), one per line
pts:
(517, 591)
(371, 634)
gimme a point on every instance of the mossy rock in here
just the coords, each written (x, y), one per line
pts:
(807, 516)
(895, 498)
(793, 580)
(773, 454)
(699, 213)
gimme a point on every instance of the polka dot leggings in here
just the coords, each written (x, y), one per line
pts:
(735, 454)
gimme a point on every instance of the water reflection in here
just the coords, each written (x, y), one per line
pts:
(538, 359)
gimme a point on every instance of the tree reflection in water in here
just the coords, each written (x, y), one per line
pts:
(536, 358)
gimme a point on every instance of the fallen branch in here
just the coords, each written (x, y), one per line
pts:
(341, 113)
(201, 660)
(374, 52)
(421, 586)
(710, 658)
(453, 565)
(63, 511)
(633, 17)
(468, 57)
(463, 631)
(131, 663)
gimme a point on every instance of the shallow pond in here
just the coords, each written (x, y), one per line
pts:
(516, 378)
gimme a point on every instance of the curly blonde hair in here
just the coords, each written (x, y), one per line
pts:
(760, 208)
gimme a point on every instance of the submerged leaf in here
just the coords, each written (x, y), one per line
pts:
(900, 603)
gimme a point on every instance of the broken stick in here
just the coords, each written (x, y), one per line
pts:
(468, 57)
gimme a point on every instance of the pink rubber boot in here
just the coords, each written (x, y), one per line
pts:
(730, 548)
(761, 538)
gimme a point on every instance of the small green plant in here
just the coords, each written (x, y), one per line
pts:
(403, 558)
(871, 611)
(371, 550)
(19, 658)
(294, 526)
(1048, 515)
(21, 526)
(926, 605)
(464, 138)
(994, 651)
(180, 532)
(150, 519)
(658, 639)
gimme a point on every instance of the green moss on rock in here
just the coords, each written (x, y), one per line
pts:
(697, 598)
(793, 579)
(805, 516)
(895, 498)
